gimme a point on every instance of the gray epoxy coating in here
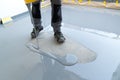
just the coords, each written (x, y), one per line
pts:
(94, 26)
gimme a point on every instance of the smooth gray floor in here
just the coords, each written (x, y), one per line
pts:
(97, 29)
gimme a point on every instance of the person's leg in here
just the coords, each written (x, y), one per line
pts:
(57, 20)
(36, 16)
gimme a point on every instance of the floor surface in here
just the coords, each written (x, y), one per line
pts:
(97, 28)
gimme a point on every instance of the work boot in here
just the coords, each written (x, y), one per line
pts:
(59, 37)
(35, 32)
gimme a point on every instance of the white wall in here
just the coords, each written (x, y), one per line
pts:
(11, 7)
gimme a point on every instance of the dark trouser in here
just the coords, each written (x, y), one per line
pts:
(56, 15)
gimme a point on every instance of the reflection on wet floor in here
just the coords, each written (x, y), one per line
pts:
(116, 74)
(102, 33)
(95, 31)
(51, 70)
